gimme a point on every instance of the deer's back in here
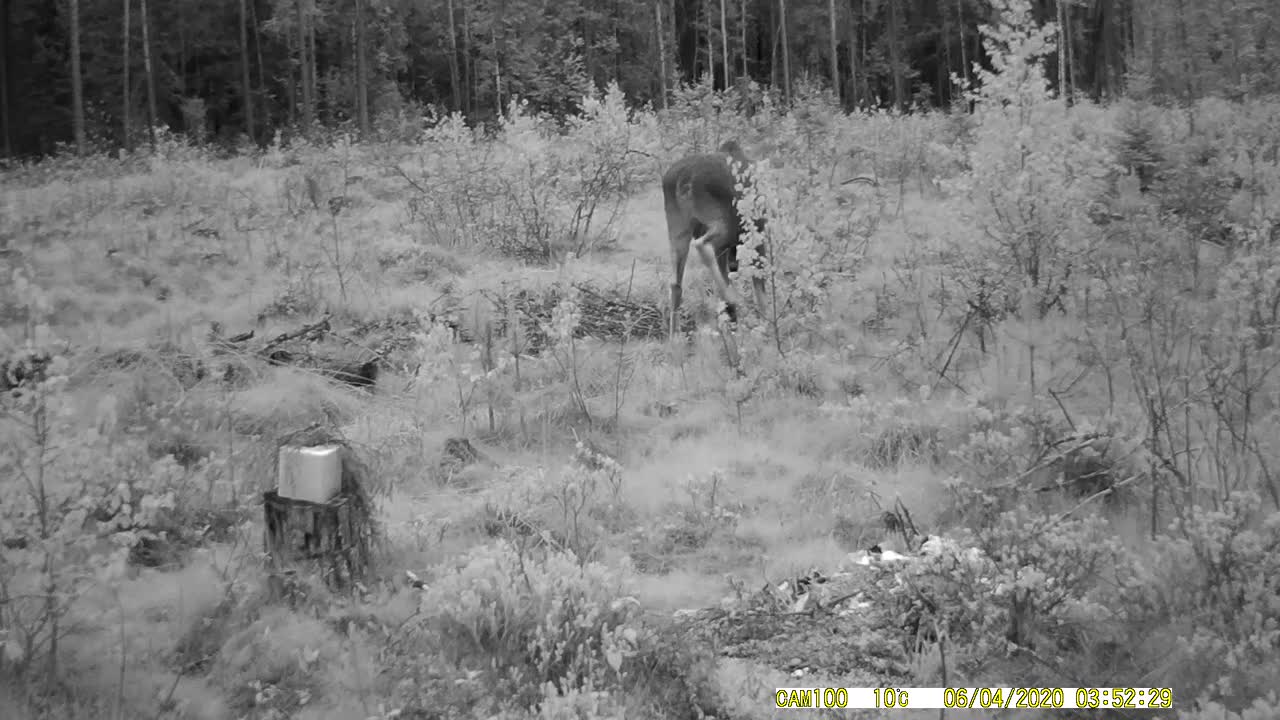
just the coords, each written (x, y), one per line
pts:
(701, 187)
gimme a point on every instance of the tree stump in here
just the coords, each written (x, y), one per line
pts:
(326, 536)
(318, 518)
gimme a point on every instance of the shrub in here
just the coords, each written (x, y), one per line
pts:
(529, 620)
(544, 630)
(1035, 168)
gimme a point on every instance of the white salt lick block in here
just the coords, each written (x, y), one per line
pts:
(313, 474)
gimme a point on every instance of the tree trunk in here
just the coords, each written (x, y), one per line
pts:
(183, 47)
(468, 80)
(742, 22)
(865, 89)
(711, 48)
(124, 79)
(362, 72)
(77, 86)
(313, 61)
(895, 58)
(454, 74)
(677, 65)
(724, 45)
(662, 53)
(964, 52)
(257, 48)
(588, 45)
(1191, 69)
(1155, 52)
(499, 34)
(617, 42)
(854, 95)
(1130, 44)
(304, 69)
(944, 63)
(835, 50)
(244, 70)
(786, 52)
(1070, 54)
(775, 43)
(150, 72)
(1062, 49)
(292, 88)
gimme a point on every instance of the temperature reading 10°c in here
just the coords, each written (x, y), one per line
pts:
(890, 698)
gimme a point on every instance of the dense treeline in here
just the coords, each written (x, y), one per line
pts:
(219, 69)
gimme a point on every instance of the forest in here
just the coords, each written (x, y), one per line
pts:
(100, 73)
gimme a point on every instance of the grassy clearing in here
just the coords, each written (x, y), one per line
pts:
(1089, 404)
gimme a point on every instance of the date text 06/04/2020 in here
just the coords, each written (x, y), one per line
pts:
(974, 697)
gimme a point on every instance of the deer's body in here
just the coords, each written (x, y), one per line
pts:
(701, 204)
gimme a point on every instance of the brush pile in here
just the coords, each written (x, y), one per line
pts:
(610, 314)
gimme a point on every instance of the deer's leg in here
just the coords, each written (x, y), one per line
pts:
(727, 262)
(706, 246)
(727, 259)
(680, 235)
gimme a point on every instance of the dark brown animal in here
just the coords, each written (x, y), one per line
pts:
(701, 204)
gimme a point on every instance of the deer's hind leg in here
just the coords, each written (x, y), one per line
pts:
(727, 262)
(680, 235)
(710, 246)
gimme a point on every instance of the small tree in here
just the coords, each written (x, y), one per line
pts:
(1033, 170)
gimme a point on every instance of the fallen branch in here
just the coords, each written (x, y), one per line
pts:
(319, 327)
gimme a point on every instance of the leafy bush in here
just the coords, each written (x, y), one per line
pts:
(807, 248)
(542, 629)
(534, 190)
(1211, 585)
(1035, 166)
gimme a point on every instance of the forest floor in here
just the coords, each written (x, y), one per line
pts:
(713, 500)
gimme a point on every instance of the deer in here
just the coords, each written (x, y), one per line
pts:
(701, 203)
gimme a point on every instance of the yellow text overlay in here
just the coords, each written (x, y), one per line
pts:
(973, 697)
